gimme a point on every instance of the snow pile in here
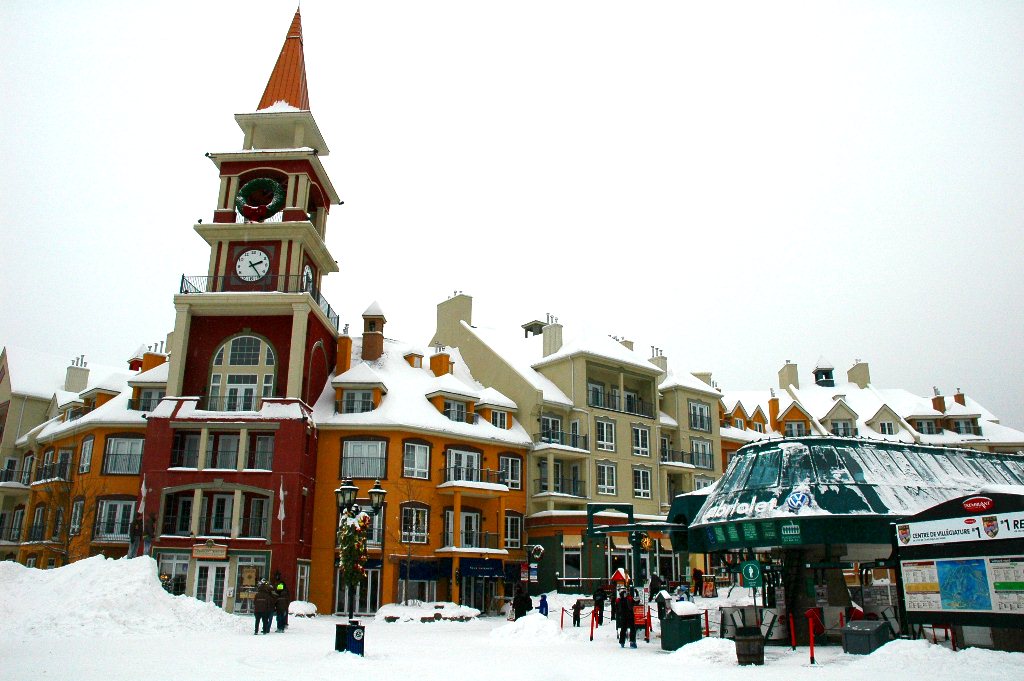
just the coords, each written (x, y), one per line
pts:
(710, 651)
(921, 654)
(302, 609)
(532, 625)
(685, 608)
(417, 610)
(98, 594)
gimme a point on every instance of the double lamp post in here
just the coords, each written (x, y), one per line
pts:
(351, 535)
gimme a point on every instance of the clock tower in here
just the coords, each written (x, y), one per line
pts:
(230, 452)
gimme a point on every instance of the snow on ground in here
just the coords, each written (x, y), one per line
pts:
(102, 619)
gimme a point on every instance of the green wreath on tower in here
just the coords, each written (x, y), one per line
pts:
(260, 198)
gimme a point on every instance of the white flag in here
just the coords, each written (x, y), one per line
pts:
(142, 494)
(280, 508)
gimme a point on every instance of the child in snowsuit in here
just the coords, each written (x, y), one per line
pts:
(543, 607)
(576, 609)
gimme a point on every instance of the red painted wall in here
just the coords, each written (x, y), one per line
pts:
(207, 333)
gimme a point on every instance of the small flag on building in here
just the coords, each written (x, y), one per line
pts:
(142, 496)
(280, 508)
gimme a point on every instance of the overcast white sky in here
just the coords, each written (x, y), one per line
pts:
(736, 183)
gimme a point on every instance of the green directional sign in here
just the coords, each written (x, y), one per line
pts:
(751, 571)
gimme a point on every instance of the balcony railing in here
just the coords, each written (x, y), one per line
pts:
(216, 525)
(114, 531)
(122, 464)
(173, 525)
(60, 470)
(844, 431)
(184, 458)
(696, 459)
(263, 461)
(967, 430)
(255, 526)
(270, 282)
(77, 413)
(461, 416)
(353, 406)
(701, 423)
(10, 533)
(363, 467)
(245, 402)
(36, 532)
(674, 456)
(559, 437)
(13, 475)
(144, 403)
(374, 537)
(471, 474)
(572, 487)
(629, 405)
(703, 460)
(471, 540)
(223, 459)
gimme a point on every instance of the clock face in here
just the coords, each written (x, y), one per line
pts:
(307, 278)
(252, 265)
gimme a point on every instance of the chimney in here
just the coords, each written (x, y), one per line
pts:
(552, 333)
(373, 333)
(703, 376)
(628, 344)
(939, 402)
(77, 377)
(151, 360)
(960, 398)
(344, 359)
(858, 374)
(788, 376)
(450, 313)
(773, 412)
(441, 363)
(658, 359)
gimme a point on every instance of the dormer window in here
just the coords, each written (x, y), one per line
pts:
(965, 427)
(738, 423)
(842, 428)
(795, 429)
(499, 419)
(886, 428)
(357, 401)
(926, 427)
(758, 427)
(455, 410)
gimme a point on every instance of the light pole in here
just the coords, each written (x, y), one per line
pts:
(353, 522)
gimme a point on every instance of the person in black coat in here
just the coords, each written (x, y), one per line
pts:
(521, 603)
(624, 618)
(284, 598)
(599, 598)
(577, 608)
(263, 606)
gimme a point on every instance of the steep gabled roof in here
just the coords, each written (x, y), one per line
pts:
(288, 79)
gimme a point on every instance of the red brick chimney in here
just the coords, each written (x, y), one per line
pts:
(373, 333)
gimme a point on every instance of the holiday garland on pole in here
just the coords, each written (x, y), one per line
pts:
(352, 547)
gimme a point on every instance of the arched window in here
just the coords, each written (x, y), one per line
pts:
(244, 368)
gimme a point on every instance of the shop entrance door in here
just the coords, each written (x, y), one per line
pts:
(211, 581)
(478, 592)
(367, 594)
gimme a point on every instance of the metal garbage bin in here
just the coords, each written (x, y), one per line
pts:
(863, 637)
(350, 638)
(678, 630)
(749, 645)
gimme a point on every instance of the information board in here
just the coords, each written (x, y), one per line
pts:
(968, 584)
(966, 528)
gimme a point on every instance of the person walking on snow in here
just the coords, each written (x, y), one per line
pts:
(543, 607)
(624, 618)
(284, 598)
(521, 603)
(599, 598)
(263, 606)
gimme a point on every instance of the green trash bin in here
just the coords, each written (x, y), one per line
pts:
(678, 630)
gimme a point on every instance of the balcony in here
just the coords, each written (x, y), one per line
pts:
(703, 460)
(243, 402)
(559, 437)
(471, 474)
(572, 487)
(54, 471)
(363, 467)
(270, 282)
(36, 532)
(76, 413)
(460, 416)
(348, 406)
(215, 525)
(10, 534)
(144, 403)
(112, 531)
(17, 476)
(629, 405)
(471, 540)
(260, 461)
(122, 464)
(254, 527)
(184, 458)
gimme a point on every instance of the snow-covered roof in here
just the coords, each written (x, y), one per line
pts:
(406, 403)
(114, 411)
(33, 373)
(493, 398)
(519, 353)
(603, 346)
(374, 310)
(686, 380)
(156, 375)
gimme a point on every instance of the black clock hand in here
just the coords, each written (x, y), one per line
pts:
(253, 267)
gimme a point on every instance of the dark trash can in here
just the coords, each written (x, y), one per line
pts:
(678, 630)
(863, 637)
(749, 645)
(350, 638)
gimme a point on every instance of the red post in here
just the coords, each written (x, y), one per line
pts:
(561, 620)
(707, 625)
(810, 630)
(593, 620)
(647, 626)
(792, 632)
(841, 622)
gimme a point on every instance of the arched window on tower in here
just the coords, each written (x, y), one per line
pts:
(244, 370)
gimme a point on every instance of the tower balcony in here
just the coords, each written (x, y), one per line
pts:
(270, 283)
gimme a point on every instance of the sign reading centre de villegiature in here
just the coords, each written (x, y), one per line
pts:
(968, 528)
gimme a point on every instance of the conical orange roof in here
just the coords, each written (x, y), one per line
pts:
(288, 80)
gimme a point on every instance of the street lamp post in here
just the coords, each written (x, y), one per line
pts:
(353, 522)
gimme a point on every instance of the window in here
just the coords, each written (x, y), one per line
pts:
(556, 485)
(454, 410)
(149, 398)
(702, 452)
(606, 435)
(113, 519)
(700, 417)
(641, 441)
(363, 459)
(499, 419)
(357, 401)
(886, 428)
(463, 465)
(595, 394)
(123, 455)
(85, 459)
(965, 427)
(175, 567)
(513, 530)
(185, 450)
(551, 429)
(58, 524)
(30, 562)
(632, 402)
(842, 428)
(261, 455)
(77, 508)
(738, 423)
(248, 372)
(220, 519)
(26, 475)
(64, 463)
(222, 451)
(926, 427)
(302, 582)
(511, 471)
(51, 563)
(700, 482)
(416, 461)
(759, 427)
(641, 483)
(605, 478)
(795, 429)
(414, 525)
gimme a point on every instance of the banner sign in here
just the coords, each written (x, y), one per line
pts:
(969, 528)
